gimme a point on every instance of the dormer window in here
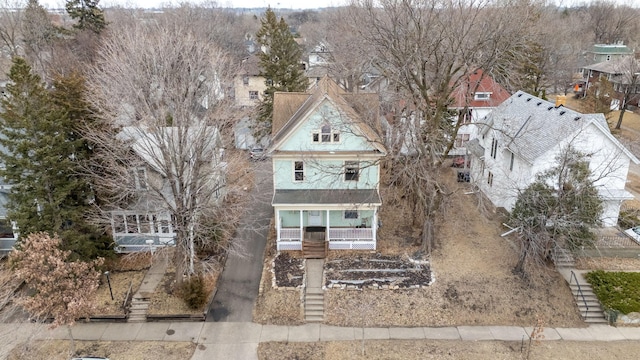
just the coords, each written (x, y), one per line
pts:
(326, 135)
(482, 96)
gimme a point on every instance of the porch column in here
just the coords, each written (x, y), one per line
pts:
(326, 235)
(278, 225)
(301, 227)
(374, 225)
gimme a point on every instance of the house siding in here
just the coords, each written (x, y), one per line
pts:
(608, 161)
(323, 174)
(326, 113)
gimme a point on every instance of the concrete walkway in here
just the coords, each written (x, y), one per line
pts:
(153, 277)
(314, 273)
(227, 340)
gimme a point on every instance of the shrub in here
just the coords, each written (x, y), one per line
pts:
(616, 290)
(194, 293)
(628, 218)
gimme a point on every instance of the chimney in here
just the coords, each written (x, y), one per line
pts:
(561, 100)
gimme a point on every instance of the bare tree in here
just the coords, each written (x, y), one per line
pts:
(62, 288)
(627, 84)
(11, 17)
(160, 91)
(426, 48)
(611, 22)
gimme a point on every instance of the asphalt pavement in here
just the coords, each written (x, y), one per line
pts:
(238, 287)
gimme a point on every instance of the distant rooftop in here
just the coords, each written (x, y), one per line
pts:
(611, 49)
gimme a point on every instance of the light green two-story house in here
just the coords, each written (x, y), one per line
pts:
(326, 152)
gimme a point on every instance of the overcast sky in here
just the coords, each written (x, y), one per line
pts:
(291, 4)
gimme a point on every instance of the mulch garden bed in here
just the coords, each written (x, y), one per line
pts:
(288, 271)
(378, 271)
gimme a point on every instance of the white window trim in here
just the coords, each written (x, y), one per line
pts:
(296, 171)
(156, 223)
(482, 97)
(357, 166)
(332, 134)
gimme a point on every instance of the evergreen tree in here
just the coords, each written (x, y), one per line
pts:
(42, 158)
(87, 14)
(280, 65)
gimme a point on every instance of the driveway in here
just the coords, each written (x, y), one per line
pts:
(240, 279)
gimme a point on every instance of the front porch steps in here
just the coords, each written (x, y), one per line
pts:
(314, 305)
(312, 249)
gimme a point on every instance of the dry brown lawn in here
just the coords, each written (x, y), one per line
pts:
(474, 283)
(276, 306)
(130, 350)
(449, 350)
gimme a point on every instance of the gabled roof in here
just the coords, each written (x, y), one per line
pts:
(361, 109)
(615, 66)
(151, 145)
(478, 82)
(250, 66)
(533, 126)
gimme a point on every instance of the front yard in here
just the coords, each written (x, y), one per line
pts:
(474, 284)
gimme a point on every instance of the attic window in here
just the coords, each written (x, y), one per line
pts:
(482, 96)
(326, 135)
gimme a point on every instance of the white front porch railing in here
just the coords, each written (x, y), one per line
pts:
(351, 239)
(289, 239)
(339, 239)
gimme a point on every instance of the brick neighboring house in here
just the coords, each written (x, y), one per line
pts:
(624, 75)
(474, 99)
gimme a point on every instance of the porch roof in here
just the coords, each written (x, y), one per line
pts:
(332, 196)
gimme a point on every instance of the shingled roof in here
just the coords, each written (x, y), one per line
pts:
(291, 108)
(478, 82)
(533, 126)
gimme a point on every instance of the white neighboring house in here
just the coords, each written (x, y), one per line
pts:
(145, 222)
(522, 138)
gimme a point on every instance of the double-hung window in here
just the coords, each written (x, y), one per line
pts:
(351, 171)
(298, 171)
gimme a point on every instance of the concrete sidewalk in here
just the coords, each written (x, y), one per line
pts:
(229, 340)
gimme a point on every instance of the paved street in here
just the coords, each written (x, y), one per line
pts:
(240, 280)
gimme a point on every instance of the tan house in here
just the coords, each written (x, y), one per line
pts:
(249, 85)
